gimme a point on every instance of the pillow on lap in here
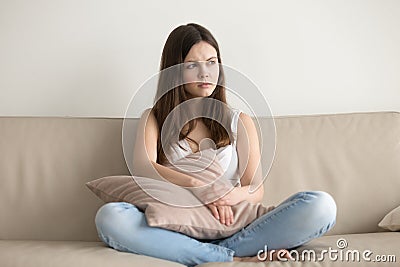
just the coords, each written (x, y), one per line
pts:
(199, 222)
(125, 188)
(204, 166)
(195, 221)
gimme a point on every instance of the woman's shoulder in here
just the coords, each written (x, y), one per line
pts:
(148, 111)
(239, 113)
(148, 114)
(235, 111)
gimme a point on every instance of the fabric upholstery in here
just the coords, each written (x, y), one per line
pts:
(392, 220)
(27, 253)
(46, 161)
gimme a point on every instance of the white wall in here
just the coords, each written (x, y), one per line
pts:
(87, 58)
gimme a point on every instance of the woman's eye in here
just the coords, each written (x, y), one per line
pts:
(190, 66)
(212, 62)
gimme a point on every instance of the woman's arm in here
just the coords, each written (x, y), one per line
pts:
(249, 165)
(145, 155)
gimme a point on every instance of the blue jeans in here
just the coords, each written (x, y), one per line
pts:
(298, 219)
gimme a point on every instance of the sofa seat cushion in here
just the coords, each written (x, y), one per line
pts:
(382, 243)
(20, 253)
(76, 253)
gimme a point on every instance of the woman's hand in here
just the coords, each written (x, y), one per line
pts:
(222, 213)
(232, 198)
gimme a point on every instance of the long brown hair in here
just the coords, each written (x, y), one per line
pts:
(176, 48)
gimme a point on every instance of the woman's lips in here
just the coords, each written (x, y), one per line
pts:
(204, 85)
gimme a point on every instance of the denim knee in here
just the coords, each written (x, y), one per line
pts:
(104, 216)
(109, 217)
(323, 206)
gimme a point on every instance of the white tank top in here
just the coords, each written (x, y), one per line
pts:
(227, 155)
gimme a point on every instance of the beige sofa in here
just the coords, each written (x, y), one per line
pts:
(47, 213)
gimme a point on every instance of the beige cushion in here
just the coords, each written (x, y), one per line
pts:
(352, 250)
(203, 166)
(354, 157)
(129, 189)
(194, 219)
(120, 188)
(28, 253)
(197, 222)
(392, 220)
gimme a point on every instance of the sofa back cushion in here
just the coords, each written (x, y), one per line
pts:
(354, 157)
(46, 161)
(44, 165)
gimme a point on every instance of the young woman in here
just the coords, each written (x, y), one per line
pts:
(298, 219)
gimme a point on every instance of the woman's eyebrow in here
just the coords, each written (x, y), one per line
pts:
(192, 60)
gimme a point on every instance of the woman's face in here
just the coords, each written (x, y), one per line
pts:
(200, 70)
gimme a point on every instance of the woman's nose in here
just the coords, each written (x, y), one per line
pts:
(203, 73)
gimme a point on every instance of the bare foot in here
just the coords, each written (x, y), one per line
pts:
(266, 256)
